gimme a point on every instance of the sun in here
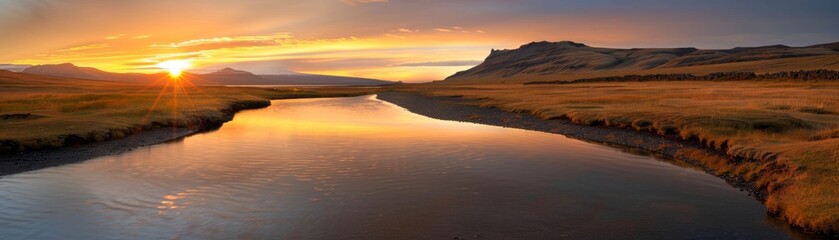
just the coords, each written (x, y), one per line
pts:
(175, 67)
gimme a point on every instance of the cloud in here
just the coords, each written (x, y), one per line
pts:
(176, 56)
(441, 63)
(354, 2)
(228, 42)
(85, 47)
(405, 30)
(118, 36)
(394, 35)
(442, 30)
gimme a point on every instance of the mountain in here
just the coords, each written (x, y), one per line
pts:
(559, 60)
(225, 76)
(14, 67)
(314, 79)
(69, 70)
(229, 76)
(834, 46)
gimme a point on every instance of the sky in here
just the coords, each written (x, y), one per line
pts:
(400, 40)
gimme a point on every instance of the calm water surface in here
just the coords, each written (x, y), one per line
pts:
(359, 168)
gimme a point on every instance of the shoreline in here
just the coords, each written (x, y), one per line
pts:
(83, 148)
(468, 110)
(34, 160)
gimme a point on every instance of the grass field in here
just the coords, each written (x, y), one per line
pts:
(782, 135)
(45, 112)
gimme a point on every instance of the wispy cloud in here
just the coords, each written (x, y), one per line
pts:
(228, 42)
(354, 2)
(442, 30)
(112, 37)
(441, 63)
(405, 30)
(85, 47)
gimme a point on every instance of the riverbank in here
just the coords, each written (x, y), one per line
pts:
(34, 160)
(748, 174)
(80, 147)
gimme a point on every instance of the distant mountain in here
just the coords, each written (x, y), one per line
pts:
(546, 60)
(229, 76)
(314, 79)
(69, 70)
(14, 67)
(834, 46)
(226, 76)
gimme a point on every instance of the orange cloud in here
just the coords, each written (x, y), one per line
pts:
(85, 47)
(354, 2)
(118, 36)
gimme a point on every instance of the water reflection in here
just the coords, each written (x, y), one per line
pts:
(353, 168)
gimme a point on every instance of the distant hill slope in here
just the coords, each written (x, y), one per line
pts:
(226, 76)
(229, 76)
(560, 60)
(314, 79)
(14, 67)
(10, 78)
(68, 70)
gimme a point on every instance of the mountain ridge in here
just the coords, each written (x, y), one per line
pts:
(552, 60)
(224, 76)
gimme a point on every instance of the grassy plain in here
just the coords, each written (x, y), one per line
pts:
(783, 136)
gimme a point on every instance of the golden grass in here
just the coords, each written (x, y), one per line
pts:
(100, 110)
(783, 136)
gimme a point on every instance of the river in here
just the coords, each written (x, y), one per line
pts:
(360, 168)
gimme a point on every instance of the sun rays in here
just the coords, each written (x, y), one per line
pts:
(173, 87)
(175, 67)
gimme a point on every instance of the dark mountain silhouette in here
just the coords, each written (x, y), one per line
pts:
(548, 59)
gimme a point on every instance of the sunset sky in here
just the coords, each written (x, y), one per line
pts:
(415, 40)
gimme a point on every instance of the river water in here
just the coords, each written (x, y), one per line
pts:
(360, 168)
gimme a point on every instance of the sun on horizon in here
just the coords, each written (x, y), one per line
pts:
(175, 67)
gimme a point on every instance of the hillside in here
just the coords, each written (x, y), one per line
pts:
(314, 79)
(68, 70)
(569, 60)
(225, 76)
